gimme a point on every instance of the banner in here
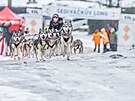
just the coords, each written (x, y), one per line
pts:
(126, 37)
(127, 17)
(33, 22)
(34, 11)
(89, 13)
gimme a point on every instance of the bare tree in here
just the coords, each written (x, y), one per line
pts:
(31, 1)
(110, 3)
(9, 3)
(118, 3)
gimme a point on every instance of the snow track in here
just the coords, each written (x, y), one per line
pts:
(87, 77)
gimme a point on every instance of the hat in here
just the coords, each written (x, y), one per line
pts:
(112, 30)
(97, 30)
(103, 30)
(55, 15)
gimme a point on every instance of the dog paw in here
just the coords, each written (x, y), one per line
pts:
(68, 58)
(63, 55)
(37, 61)
(25, 62)
(49, 57)
(43, 60)
(18, 58)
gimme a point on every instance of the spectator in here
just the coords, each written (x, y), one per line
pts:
(105, 40)
(96, 38)
(116, 31)
(113, 40)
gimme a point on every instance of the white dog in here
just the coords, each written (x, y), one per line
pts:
(67, 39)
(16, 44)
(40, 46)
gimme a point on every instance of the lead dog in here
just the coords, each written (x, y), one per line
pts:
(27, 45)
(66, 39)
(15, 45)
(40, 46)
(52, 41)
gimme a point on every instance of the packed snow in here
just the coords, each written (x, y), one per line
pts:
(86, 77)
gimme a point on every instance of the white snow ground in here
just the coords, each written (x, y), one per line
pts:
(87, 77)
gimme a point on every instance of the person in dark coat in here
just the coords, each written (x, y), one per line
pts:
(113, 40)
(56, 23)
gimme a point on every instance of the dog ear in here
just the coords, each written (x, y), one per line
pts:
(50, 30)
(65, 21)
(23, 34)
(55, 30)
(70, 21)
(40, 30)
(13, 32)
(45, 32)
(19, 32)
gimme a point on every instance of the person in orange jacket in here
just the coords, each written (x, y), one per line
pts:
(97, 35)
(105, 40)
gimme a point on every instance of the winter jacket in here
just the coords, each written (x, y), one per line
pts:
(117, 32)
(113, 38)
(56, 26)
(96, 37)
(106, 39)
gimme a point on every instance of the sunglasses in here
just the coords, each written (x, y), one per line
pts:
(55, 17)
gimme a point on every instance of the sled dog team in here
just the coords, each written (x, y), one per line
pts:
(51, 42)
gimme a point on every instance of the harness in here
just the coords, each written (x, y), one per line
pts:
(42, 45)
(27, 45)
(77, 47)
(16, 44)
(51, 46)
(66, 39)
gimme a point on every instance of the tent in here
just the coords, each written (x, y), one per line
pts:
(6, 14)
(9, 21)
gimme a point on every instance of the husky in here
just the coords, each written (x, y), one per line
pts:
(15, 44)
(52, 41)
(40, 46)
(78, 45)
(66, 39)
(27, 45)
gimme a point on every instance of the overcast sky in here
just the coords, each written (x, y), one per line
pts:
(41, 2)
